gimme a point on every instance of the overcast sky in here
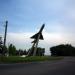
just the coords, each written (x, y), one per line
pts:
(25, 17)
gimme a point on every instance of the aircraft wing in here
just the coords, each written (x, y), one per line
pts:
(36, 36)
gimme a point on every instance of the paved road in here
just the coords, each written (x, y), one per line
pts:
(62, 67)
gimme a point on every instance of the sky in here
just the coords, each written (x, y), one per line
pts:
(25, 17)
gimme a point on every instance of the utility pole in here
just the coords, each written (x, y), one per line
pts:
(5, 34)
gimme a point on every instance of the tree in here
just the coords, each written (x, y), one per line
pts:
(21, 52)
(63, 50)
(3, 49)
(1, 45)
(40, 51)
(25, 52)
(12, 49)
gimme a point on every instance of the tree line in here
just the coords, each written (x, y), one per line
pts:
(63, 50)
(59, 50)
(40, 51)
(12, 51)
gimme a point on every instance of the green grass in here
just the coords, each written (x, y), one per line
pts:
(17, 59)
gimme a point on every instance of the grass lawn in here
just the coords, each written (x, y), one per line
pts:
(17, 59)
